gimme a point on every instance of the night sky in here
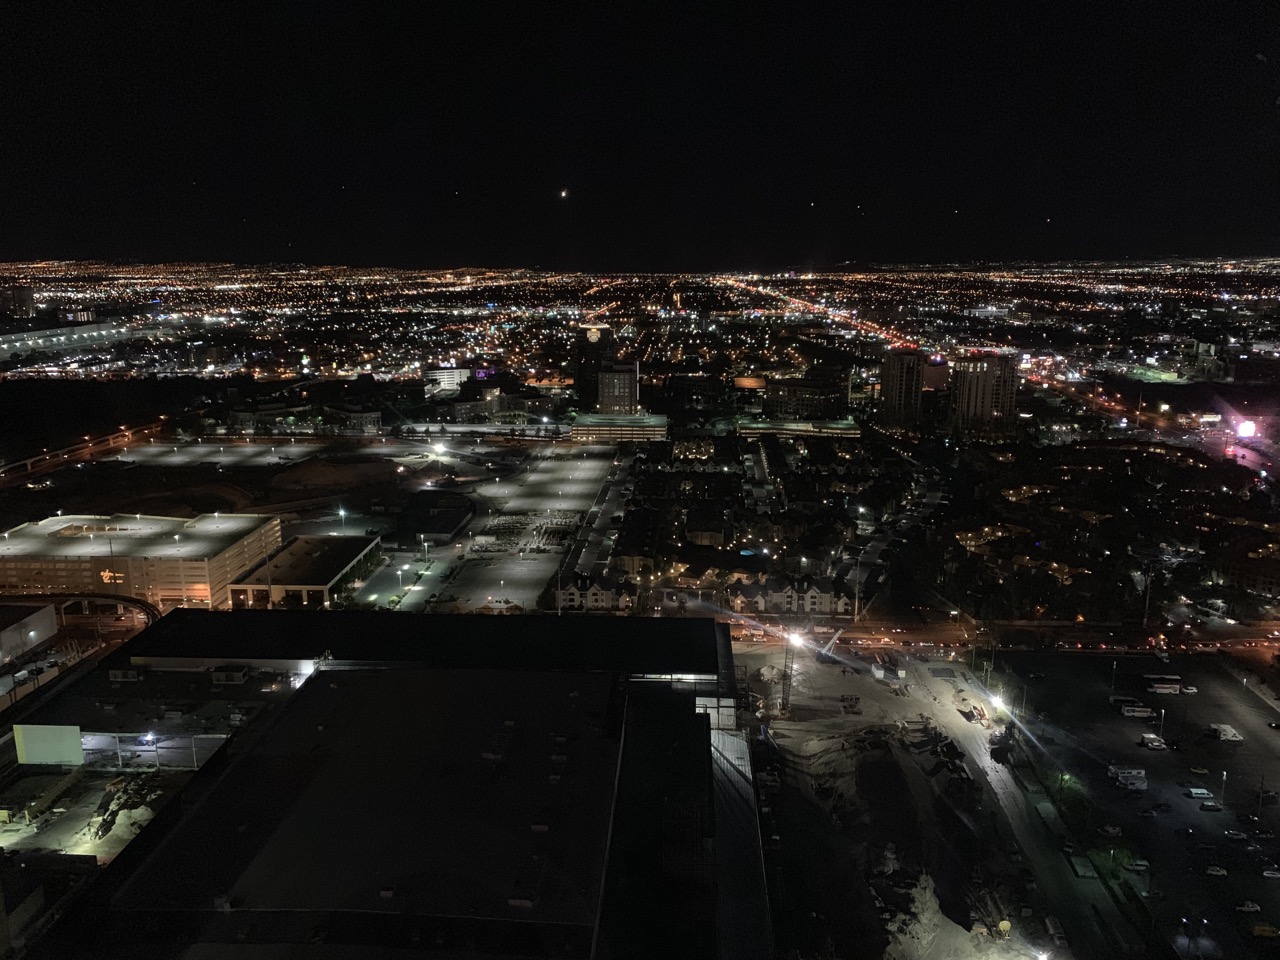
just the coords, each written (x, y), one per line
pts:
(687, 136)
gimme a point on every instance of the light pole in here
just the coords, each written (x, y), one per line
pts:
(1113, 675)
(1223, 799)
(1162, 724)
(342, 515)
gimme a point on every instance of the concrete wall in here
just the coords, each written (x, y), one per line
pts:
(27, 633)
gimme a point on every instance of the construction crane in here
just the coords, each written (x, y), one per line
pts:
(827, 654)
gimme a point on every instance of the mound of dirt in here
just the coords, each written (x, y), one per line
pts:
(323, 474)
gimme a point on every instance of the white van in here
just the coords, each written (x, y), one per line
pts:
(1126, 773)
(1129, 710)
(1199, 793)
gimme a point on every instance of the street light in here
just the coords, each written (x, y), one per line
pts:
(342, 514)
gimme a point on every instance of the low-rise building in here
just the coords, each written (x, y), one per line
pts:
(603, 428)
(307, 572)
(596, 593)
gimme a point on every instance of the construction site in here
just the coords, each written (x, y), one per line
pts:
(886, 787)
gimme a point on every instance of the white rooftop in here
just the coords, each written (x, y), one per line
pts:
(129, 535)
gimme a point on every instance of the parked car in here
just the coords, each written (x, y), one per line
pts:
(1213, 870)
(1248, 907)
(1234, 835)
(1210, 806)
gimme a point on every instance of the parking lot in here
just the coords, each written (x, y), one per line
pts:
(1083, 732)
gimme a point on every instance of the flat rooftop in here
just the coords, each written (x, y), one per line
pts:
(633, 646)
(619, 420)
(387, 791)
(129, 535)
(315, 561)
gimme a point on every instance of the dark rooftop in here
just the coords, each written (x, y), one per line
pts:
(626, 645)
(312, 561)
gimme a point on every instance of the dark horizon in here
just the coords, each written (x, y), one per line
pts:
(640, 139)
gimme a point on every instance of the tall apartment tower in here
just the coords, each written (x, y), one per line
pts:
(983, 390)
(18, 301)
(594, 350)
(618, 389)
(901, 384)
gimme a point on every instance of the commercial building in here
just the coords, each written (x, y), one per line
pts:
(814, 397)
(901, 385)
(307, 572)
(444, 379)
(983, 390)
(618, 389)
(18, 301)
(167, 561)
(599, 428)
(573, 789)
(595, 348)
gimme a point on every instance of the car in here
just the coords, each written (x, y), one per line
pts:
(1248, 907)
(1068, 847)
(1139, 866)
(1246, 818)
(1200, 770)
(1149, 812)
(1271, 874)
(1210, 806)
(1213, 870)
(1234, 835)
(1109, 830)
(1265, 834)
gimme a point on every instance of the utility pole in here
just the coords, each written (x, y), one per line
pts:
(1146, 606)
(857, 589)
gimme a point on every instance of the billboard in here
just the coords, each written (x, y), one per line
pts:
(39, 743)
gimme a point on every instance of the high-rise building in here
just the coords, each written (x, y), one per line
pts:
(594, 349)
(983, 390)
(618, 389)
(901, 383)
(18, 301)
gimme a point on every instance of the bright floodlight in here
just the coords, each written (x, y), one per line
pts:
(1247, 428)
(796, 639)
(438, 448)
(997, 703)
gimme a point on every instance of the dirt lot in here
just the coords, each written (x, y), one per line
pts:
(889, 842)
